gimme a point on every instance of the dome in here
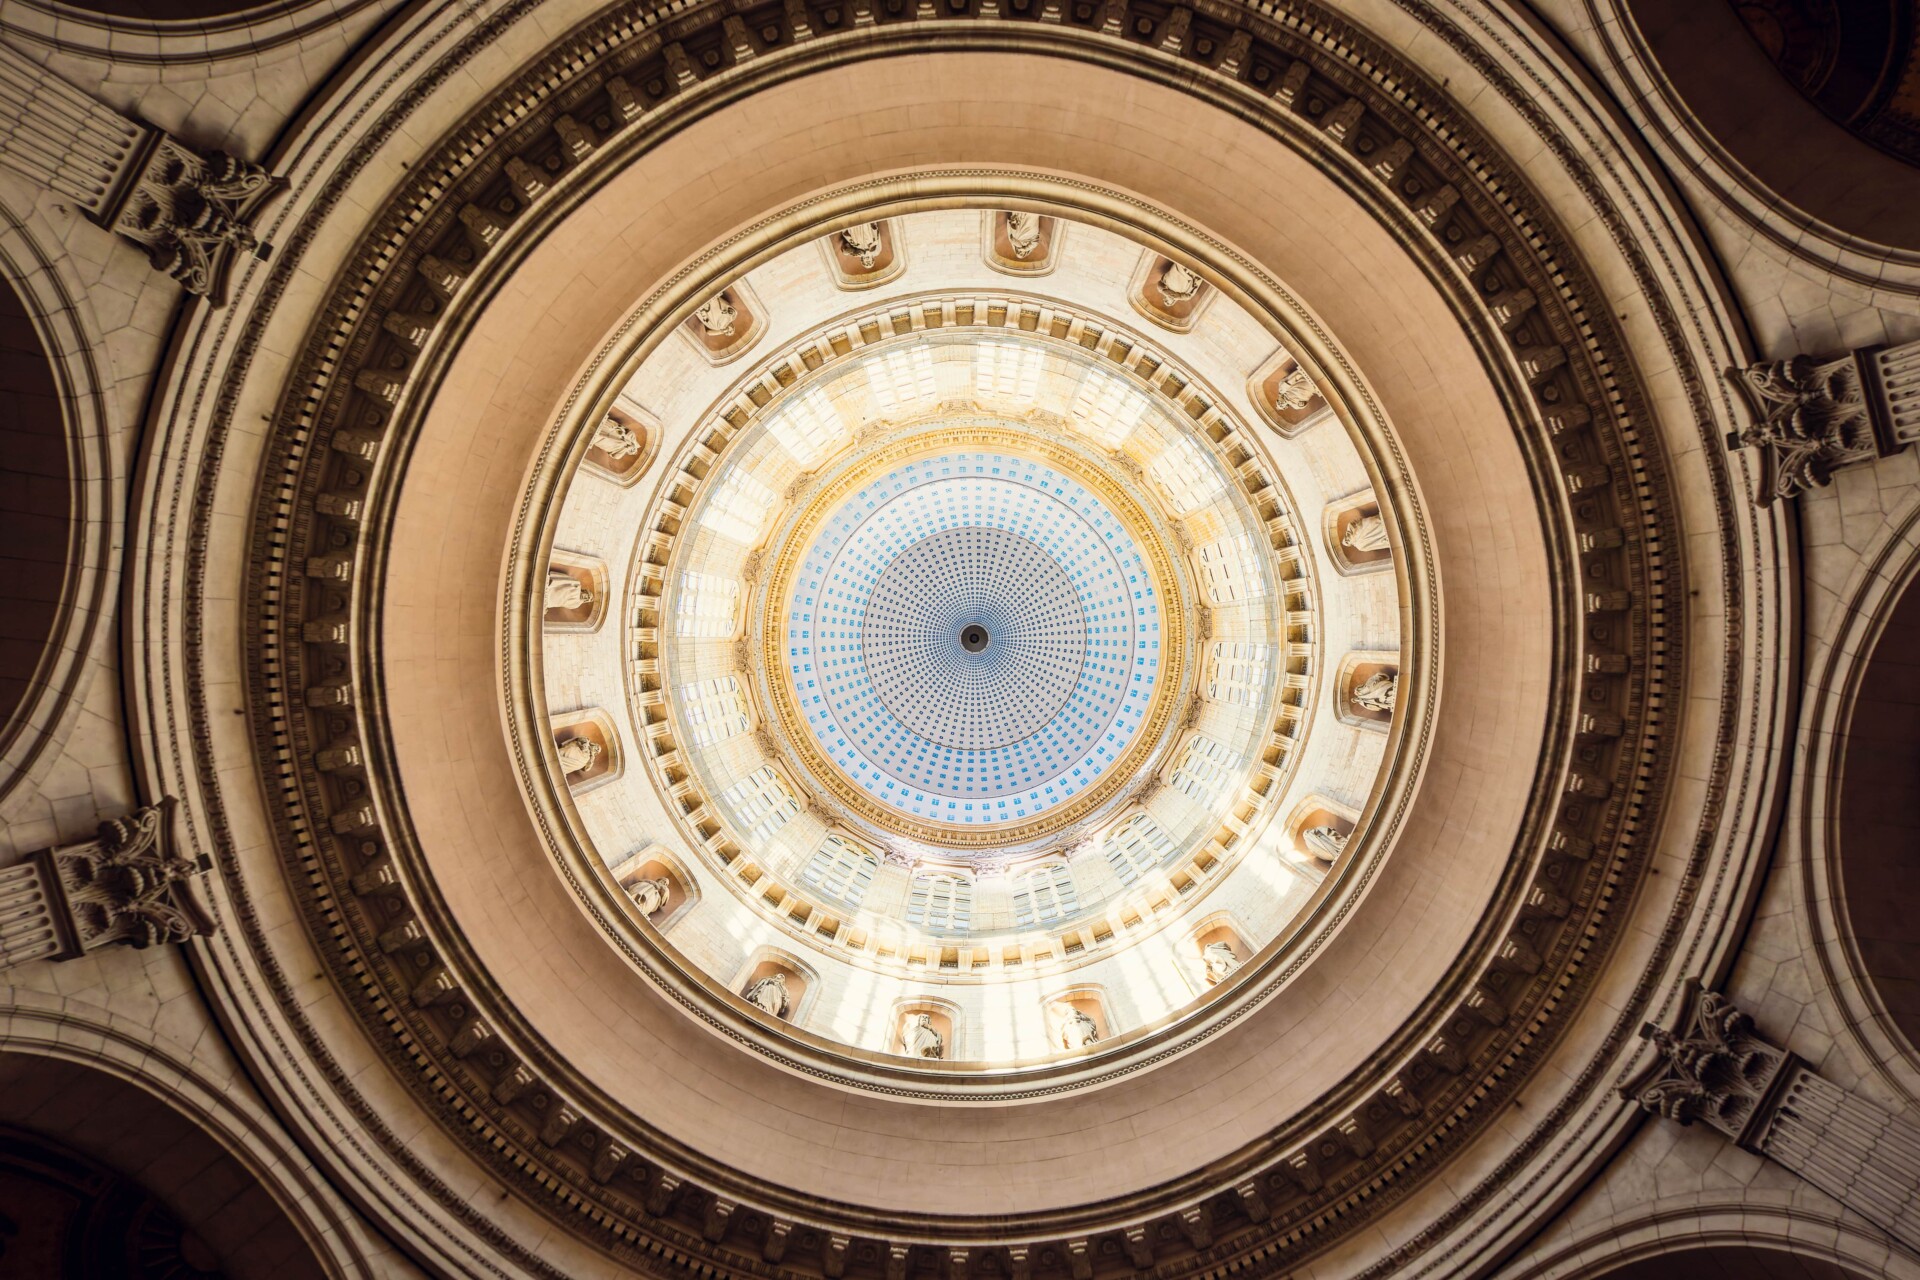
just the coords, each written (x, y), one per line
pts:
(977, 665)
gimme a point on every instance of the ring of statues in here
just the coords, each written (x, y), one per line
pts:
(1167, 775)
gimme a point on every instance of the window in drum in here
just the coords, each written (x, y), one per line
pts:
(941, 903)
(761, 802)
(1237, 672)
(1203, 771)
(705, 605)
(739, 507)
(1229, 569)
(715, 710)
(1136, 846)
(1045, 894)
(841, 869)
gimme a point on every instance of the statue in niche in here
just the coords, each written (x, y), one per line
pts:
(578, 754)
(918, 1039)
(1368, 533)
(717, 315)
(1023, 234)
(769, 995)
(1077, 1030)
(1376, 692)
(564, 591)
(1220, 961)
(650, 894)
(616, 439)
(1295, 391)
(1325, 842)
(1177, 285)
(863, 242)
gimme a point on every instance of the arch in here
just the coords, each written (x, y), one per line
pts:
(1723, 89)
(36, 501)
(61, 510)
(1865, 951)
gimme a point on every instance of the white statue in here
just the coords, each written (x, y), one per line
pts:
(650, 894)
(1295, 391)
(1023, 234)
(769, 995)
(578, 754)
(1220, 961)
(1177, 285)
(863, 242)
(716, 316)
(1076, 1028)
(1368, 533)
(564, 591)
(1376, 692)
(918, 1039)
(1325, 842)
(616, 439)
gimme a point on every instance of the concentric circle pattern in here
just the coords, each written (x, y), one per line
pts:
(974, 638)
(883, 670)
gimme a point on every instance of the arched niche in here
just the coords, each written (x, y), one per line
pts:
(655, 863)
(1219, 928)
(1168, 292)
(576, 592)
(1879, 817)
(599, 761)
(1085, 999)
(866, 254)
(1318, 813)
(942, 1015)
(623, 445)
(100, 1177)
(1365, 689)
(36, 503)
(1021, 244)
(1730, 88)
(1356, 535)
(1286, 396)
(802, 982)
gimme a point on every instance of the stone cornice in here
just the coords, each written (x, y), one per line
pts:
(1545, 331)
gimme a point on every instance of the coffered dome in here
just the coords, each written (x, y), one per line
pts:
(973, 645)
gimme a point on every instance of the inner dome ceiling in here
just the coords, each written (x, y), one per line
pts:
(986, 695)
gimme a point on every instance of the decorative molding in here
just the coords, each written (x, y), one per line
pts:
(1585, 407)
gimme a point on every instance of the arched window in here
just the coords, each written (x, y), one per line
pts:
(760, 802)
(1136, 846)
(941, 902)
(1203, 770)
(841, 868)
(1228, 568)
(1236, 672)
(1045, 894)
(715, 709)
(810, 428)
(739, 507)
(705, 605)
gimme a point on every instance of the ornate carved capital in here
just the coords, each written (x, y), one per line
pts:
(191, 210)
(1714, 1068)
(1811, 416)
(126, 885)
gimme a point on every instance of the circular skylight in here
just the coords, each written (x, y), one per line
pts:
(974, 638)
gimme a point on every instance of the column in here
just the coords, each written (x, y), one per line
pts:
(192, 211)
(1713, 1068)
(1811, 416)
(127, 885)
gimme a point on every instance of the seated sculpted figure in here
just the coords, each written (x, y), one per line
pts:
(1368, 533)
(578, 754)
(716, 315)
(1023, 234)
(1325, 842)
(918, 1039)
(1220, 961)
(1375, 693)
(564, 591)
(769, 995)
(1177, 285)
(1077, 1030)
(650, 894)
(863, 242)
(616, 439)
